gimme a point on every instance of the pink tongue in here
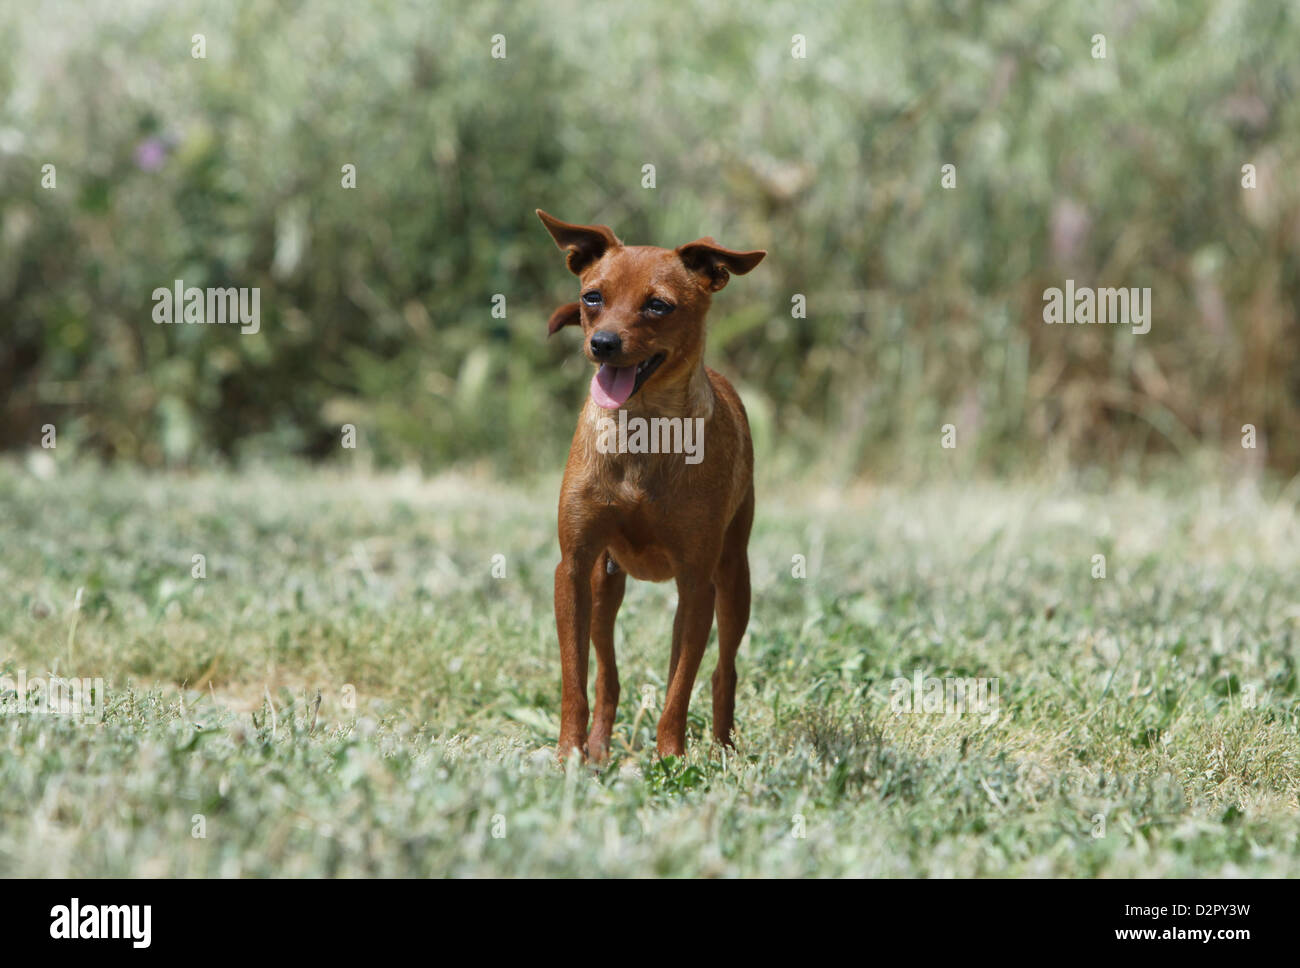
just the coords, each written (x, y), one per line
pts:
(612, 385)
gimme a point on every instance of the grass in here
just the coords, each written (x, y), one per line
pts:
(1146, 725)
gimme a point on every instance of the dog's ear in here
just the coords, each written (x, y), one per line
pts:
(570, 314)
(716, 263)
(584, 243)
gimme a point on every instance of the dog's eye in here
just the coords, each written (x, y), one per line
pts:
(591, 298)
(659, 307)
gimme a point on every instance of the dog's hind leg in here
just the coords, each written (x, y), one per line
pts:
(695, 621)
(608, 583)
(732, 604)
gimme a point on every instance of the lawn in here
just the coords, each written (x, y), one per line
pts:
(358, 685)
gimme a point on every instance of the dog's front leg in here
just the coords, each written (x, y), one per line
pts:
(573, 623)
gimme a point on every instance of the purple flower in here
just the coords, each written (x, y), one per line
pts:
(1069, 232)
(151, 153)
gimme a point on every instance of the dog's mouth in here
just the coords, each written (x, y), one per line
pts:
(613, 386)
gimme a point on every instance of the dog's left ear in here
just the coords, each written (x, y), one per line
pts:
(570, 314)
(716, 263)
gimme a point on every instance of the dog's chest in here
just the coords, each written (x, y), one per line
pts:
(631, 480)
(647, 527)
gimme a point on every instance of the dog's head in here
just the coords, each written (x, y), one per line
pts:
(641, 308)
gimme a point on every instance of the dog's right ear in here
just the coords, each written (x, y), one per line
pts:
(584, 243)
(570, 314)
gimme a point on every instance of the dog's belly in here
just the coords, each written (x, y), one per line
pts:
(644, 563)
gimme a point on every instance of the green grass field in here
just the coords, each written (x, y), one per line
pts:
(1146, 722)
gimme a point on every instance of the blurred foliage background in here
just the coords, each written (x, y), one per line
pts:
(924, 304)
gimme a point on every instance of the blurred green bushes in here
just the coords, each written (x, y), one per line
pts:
(924, 304)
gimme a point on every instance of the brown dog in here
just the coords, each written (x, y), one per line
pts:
(652, 515)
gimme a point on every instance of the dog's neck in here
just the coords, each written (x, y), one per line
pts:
(691, 397)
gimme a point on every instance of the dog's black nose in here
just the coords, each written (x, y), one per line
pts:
(605, 344)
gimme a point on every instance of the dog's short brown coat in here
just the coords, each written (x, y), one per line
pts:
(652, 516)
